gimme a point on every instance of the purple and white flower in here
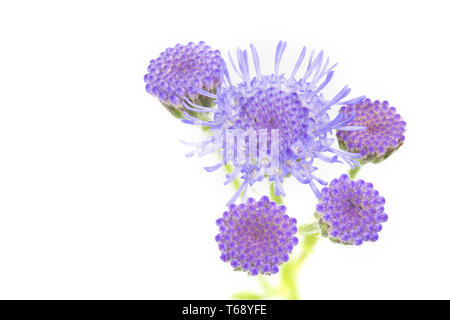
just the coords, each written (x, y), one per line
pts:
(256, 236)
(384, 132)
(350, 212)
(180, 72)
(273, 125)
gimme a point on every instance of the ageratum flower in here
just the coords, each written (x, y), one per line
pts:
(384, 133)
(256, 236)
(350, 211)
(277, 125)
(179, 74)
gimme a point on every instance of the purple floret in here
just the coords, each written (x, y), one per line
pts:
(384, 132)
(256, 236)
(351, 212)
(179, 73)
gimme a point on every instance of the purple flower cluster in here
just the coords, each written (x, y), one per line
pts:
(256, 236)
(384, 130)
(274, 126)
(179, 73)
(294, 107)
(351, 211)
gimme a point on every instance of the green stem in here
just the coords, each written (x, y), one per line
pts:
(290, 270)
(353, 172)
(308, 228)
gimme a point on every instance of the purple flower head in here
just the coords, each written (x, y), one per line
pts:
(274, 125)
(384, 130)
(179, 73)
(256, 236)
(351, 212)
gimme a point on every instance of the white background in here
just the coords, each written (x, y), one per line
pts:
(97, 199)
